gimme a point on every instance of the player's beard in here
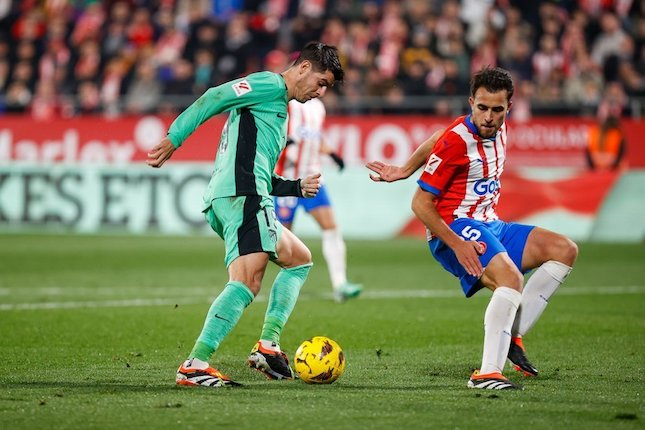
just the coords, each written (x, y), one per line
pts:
(487, 132)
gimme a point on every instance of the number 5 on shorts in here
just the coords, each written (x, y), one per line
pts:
(470, 233)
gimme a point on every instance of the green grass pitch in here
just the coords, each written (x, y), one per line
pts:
(93, 329)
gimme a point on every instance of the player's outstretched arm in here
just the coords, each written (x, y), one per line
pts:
(160, 153)
(390, 173)
(310, 185)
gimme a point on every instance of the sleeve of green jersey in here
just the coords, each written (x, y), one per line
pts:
(239, 93)
(281, 187)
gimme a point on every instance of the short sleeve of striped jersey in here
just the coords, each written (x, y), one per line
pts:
(442, 164)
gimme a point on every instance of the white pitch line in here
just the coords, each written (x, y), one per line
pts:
(368, 295)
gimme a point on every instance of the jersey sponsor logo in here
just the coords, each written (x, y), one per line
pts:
(242, 87)
(486, 186)
(432, 164)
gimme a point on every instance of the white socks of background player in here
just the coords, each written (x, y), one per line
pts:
(538, 290)
(498, 321)
(334, 251)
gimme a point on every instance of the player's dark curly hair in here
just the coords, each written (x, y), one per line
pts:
(494, 80)
(322, 57)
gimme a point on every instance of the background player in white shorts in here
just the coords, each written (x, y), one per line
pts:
(302, 154)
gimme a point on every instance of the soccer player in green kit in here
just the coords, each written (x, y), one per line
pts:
(239, 207)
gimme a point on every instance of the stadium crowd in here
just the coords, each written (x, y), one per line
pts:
(75, 57)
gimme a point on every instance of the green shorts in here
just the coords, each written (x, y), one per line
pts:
(246, 223)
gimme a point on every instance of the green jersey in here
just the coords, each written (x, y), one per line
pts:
(252, 139)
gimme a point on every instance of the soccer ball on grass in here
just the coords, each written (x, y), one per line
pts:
(319, 360)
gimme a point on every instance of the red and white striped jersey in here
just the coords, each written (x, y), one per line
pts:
(302, 158)
(463, 170)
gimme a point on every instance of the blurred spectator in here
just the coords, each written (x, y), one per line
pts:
(89, 98)
(140, 31)
(88, 63)
(633, 81)
(4, 74)
(18, 97)
(606, 145)
(519, 60)
(584, 85)
(30, 25)
(547, 60)
(144, 93)
(522, 110)
(111, 87)
(453, 83)
(170, 44)
(413, 81)
(353, 92)
(356, 45)
(614, 101)
(26, 51)
(276, 61)
(56, 56)
(23, 72)
(394, 100)
(88, 25)
(610, 41)
(485, 55)
(45, 104)
(205, 73)
(473, 13)
(115, 40)
(235, 52)
(181, 83)
(5, 49)
(204, 37)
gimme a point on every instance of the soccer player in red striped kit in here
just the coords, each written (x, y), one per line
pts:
(456, 200)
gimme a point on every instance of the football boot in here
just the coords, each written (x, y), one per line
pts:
(347, 291)
(274, 364)
(206, 377)
(517, 356)
(491, 381)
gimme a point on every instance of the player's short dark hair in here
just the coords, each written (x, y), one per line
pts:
(494, 80)
(322, 57)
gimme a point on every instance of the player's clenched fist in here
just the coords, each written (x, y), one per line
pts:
(310, 185)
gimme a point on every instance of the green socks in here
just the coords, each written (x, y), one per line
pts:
(282, 300)
(228, 307)
(222, 316)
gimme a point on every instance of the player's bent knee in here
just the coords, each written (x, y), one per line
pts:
(572, 253)
(501, 272)
(255, 287)
(301, 256)
(565, 251)
(510, 278)
(296, 254)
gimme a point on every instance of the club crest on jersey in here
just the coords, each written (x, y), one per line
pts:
(242, 87)
(432, 164)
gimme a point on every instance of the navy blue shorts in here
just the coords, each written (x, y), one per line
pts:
(496, 236)
(286, 207)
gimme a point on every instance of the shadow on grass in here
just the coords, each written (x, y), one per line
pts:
(167, 388)
(102, 386)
